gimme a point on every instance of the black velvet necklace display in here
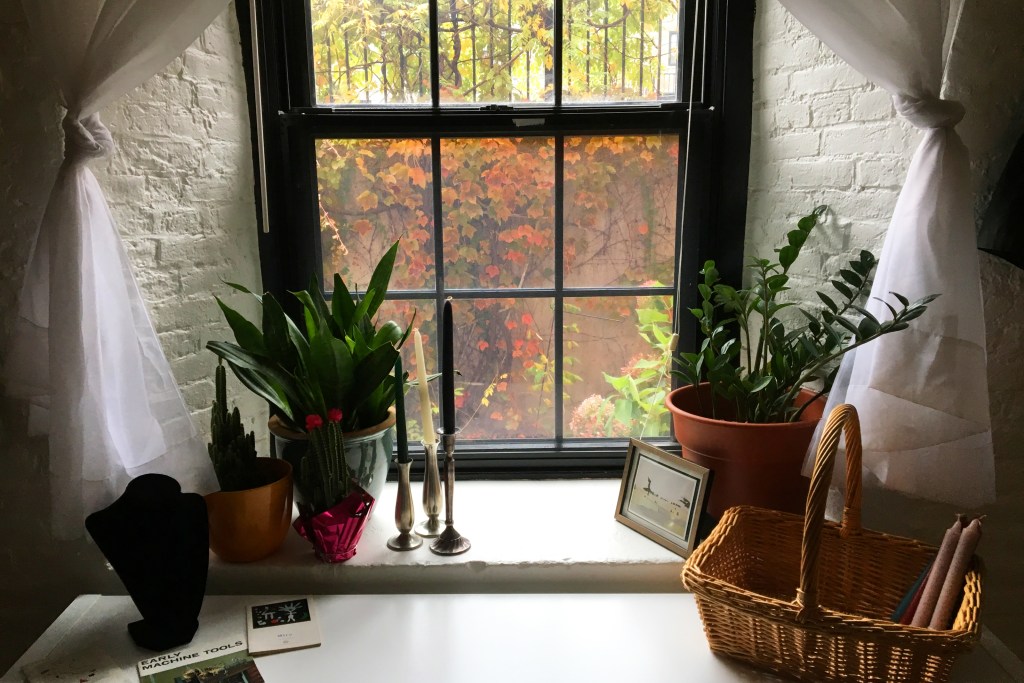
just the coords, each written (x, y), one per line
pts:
(157, 540)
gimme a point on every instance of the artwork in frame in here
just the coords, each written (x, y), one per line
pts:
(663, 496)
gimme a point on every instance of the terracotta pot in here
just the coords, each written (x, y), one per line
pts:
(249, 525)
(367, 451)
(754, 464)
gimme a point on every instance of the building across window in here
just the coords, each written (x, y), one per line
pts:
(532, 156)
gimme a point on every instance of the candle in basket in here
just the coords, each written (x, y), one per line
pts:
(426, 417)
(933, 586)
(954, 583)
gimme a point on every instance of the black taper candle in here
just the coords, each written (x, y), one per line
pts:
(403, 439)
(447, 370)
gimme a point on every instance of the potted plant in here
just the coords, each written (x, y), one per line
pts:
(745, 410)
(330, 385)
(250, 515)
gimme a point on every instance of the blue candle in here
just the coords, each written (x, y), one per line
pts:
(403, 439)
(447, 370)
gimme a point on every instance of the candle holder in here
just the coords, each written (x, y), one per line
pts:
(405, 514)
(450, 542)
(432, 527)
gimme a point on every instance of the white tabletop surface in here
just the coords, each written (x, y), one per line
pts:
(467, 638)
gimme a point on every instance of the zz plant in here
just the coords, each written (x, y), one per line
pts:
(755, 360)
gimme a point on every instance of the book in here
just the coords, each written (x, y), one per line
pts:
(213, 662)
(282, 625)
(91, 666)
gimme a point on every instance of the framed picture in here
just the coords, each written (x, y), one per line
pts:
(662, 496)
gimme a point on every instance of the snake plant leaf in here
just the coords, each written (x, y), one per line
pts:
(243, 289)
(246, 334)
(343, 309)
(380, 280)
(269, 370)
(266, 390)
(276, 336)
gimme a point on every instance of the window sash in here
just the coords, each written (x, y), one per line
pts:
(289, 253)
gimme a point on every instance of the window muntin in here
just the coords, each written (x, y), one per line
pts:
(302, 122)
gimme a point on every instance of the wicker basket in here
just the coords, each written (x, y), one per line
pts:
(763, 599)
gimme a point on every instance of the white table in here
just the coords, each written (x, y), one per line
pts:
(465, 638)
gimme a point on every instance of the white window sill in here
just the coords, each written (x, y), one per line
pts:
(527, 536)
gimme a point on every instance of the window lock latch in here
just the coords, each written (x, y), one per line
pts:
(497, 107)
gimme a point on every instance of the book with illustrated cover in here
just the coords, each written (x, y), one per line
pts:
(224, 662)
(282, 625)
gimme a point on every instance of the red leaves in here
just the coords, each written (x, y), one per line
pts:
(362, 226)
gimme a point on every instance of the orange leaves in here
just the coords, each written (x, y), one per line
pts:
(367, 200)
(418, 176)
(482, 345)
(643, 228)
(362, 226)
(492, 271)
(527, 319)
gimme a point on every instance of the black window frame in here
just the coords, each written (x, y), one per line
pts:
(717, 131)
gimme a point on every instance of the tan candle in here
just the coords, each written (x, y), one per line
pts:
(426, 416)
(923, 615)
(955, 576)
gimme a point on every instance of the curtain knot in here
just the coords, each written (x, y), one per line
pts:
(86, 138)
(929, 112)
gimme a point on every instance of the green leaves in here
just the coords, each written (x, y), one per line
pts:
(338, 358)
(752, 361)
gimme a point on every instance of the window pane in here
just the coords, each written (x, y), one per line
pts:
(402, 313)
(371, 51)
(620, 51)
(498, 206)
(620, 210)
(373, 192)
(495, 50)
(504, 350)
(616, 362)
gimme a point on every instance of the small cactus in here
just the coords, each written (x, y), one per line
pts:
(232, 451)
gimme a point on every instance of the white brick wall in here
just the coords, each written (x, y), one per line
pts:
(180, 188)
(823, 134)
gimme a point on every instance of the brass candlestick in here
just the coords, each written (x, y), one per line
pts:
(405, 514)
(431, 494)
(450, 542)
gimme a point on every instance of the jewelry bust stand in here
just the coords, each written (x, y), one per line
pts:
(157, 540)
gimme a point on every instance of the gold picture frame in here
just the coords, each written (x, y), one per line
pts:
(668, 509)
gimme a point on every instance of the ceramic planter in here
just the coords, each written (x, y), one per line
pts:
(367, 451)
(249, 525)
(754, 464)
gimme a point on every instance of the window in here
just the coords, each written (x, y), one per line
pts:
(531, 156)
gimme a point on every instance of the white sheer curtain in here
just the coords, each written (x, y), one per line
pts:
(922, 394)
(83, 351)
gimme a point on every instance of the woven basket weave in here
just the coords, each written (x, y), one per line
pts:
(812, 599)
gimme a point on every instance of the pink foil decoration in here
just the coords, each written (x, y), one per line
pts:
(334, 533)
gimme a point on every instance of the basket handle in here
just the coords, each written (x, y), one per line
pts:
(842, 418)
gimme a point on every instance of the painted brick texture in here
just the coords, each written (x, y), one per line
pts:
(823, 134)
